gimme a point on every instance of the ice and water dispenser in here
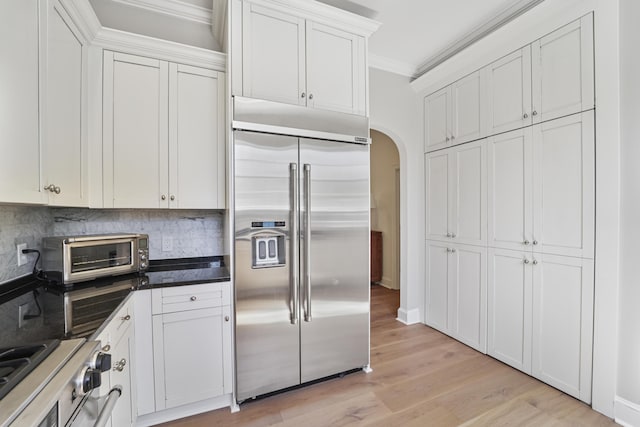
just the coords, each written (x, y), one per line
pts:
(268, 245)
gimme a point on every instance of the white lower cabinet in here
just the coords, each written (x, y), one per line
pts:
(456, 291)
(184, 363)
(188, 353)
(117, 339)
(563, 323)
(540, 315)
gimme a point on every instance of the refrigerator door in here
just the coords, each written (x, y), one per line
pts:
(334, 258)
(267, 342)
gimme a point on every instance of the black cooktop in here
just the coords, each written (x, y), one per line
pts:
(17, 362)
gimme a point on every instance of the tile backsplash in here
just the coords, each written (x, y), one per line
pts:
(172, 233)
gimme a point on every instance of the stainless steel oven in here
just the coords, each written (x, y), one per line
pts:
(73, 259)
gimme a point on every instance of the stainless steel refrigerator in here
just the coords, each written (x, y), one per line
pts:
(301, 203)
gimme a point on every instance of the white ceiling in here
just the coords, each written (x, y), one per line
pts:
(414, 36)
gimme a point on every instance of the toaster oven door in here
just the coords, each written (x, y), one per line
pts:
(91, 259)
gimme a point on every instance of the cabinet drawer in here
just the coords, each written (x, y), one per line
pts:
(120, 322)
(190, 297)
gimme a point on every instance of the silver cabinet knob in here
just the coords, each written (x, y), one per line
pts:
(125, 318)
(172, 197)
(193, 298)
(226, 318)
(447, 139)
(448, 234)
(535, 242)
(303, 95)
(448, 250)
(526, 261)
(163, 197)
(525, 116)
(52, 188)
(120, 364)
(453, 250)
(526, 242)
(106, 347)
(534, 113)
(535, 262)
(453, 137)
(453, 235)
(310, 96)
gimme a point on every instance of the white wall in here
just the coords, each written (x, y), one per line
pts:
(541, 20)
(384, 161)
(628, 387)
(394, 110)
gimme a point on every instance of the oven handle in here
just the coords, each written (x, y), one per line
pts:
(113, 396)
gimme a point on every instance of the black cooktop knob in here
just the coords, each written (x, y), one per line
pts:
(92, 379)
(103, 362)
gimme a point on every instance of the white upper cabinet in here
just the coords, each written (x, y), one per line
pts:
(336, 69)
(454, 115)
(303, 55)
(65, 161)
(163, 134)
(564, 186)
(20, 171)
(437, 107)
(273, 55)
(135, 139)
(456, 186)
(466, 109)
(196, 138)
(508, 101)
(562, 71)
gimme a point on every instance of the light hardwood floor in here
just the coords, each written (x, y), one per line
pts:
(420, 378)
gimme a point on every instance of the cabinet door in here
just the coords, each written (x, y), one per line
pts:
(466, 109)
(273, 49)
(564, 183)
(510, 198)
(196, 138)
(188, 356)
(468, 295)
(135, 132)
(563, 323)
(66, 152)
(563, 71)
(509, 307)
(122, 360)
(509, 92)
(437, 169)
(437, 285)
(20, 180)
(468, 193)
(437, 111)
(335, 66)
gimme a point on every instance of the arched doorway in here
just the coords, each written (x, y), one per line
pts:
(385, 205)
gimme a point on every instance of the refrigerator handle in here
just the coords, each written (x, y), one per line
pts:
(293, 242)
(307, 242)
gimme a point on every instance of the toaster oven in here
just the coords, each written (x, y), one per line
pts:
(71, 259)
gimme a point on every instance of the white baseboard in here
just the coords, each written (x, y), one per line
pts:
(388, 283)
(408, 317)
(626, 413)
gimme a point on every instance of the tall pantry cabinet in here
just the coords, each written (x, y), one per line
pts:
(534, 203)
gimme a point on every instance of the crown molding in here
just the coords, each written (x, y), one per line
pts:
(324, 14)
(83, 16)
(175, 8)
(498, 21)
(219, 20)
(391, 65)
(122, 41)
